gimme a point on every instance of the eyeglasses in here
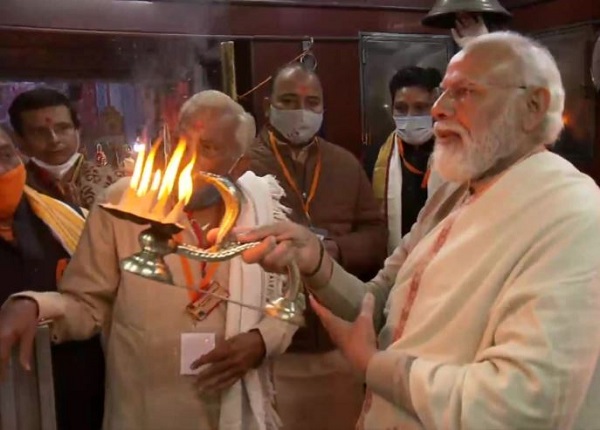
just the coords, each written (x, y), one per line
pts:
(463, 92)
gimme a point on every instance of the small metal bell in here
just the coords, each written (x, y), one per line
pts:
(443, 13)
(288, 310)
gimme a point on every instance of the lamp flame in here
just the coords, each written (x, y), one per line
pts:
(150, 190)
(137, 169)
(186, 185)
(144, 184)
(171, 172)
(156, 181)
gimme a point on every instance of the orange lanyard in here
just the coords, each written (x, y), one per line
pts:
(409, 166)
(315, 180)
(207, 270)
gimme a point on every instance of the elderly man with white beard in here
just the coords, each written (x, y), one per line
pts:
(174, 359)
(487, 312)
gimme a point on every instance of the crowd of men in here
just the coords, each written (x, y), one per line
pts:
(458, 290)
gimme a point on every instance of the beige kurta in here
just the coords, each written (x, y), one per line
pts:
(143, 321)
(504, 332)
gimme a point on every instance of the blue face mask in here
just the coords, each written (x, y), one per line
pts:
(414, 130)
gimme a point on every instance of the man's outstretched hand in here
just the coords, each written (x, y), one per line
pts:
(18, 324)
(357, 340)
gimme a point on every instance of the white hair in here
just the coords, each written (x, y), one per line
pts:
(537, 68)
(218, 101)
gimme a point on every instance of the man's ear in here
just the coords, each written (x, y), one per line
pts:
(537, 105)
(78, 137)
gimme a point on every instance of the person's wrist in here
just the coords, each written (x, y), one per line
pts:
(27, 302)
(313, 269)
(261, 348)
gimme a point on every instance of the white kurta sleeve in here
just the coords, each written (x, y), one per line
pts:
(344, 293)
(545, 347)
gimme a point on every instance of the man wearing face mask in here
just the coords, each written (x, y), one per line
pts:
(328, 191)
(47, 128)
(159, 337)
(38, 234)
(402, 176)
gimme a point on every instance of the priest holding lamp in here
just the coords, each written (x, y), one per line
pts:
(177, 358)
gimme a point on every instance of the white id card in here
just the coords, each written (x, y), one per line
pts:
(193, 346)
(321, 233)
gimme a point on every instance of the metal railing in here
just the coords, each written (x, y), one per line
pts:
(27, 398)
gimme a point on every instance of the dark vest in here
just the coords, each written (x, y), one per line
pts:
(78, 367)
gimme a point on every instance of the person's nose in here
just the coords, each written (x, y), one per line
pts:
(443, 107)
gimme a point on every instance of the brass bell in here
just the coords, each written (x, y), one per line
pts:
(291, 307)
(443, 13)
(287, 309)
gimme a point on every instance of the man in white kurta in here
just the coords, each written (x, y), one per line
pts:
(148, 386)
(489, 309)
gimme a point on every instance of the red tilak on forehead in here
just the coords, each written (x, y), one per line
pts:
(303, 89)
(48, 121)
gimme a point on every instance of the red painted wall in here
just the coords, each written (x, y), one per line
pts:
(338, 59)
(339, 72)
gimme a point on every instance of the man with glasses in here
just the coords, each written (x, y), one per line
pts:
(486, 315)
(46, 126)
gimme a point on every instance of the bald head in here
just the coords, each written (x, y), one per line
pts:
(297, 87)
(296, 72)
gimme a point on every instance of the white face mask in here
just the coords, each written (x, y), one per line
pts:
(414, 130)
(58, 171)
(298, 126)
